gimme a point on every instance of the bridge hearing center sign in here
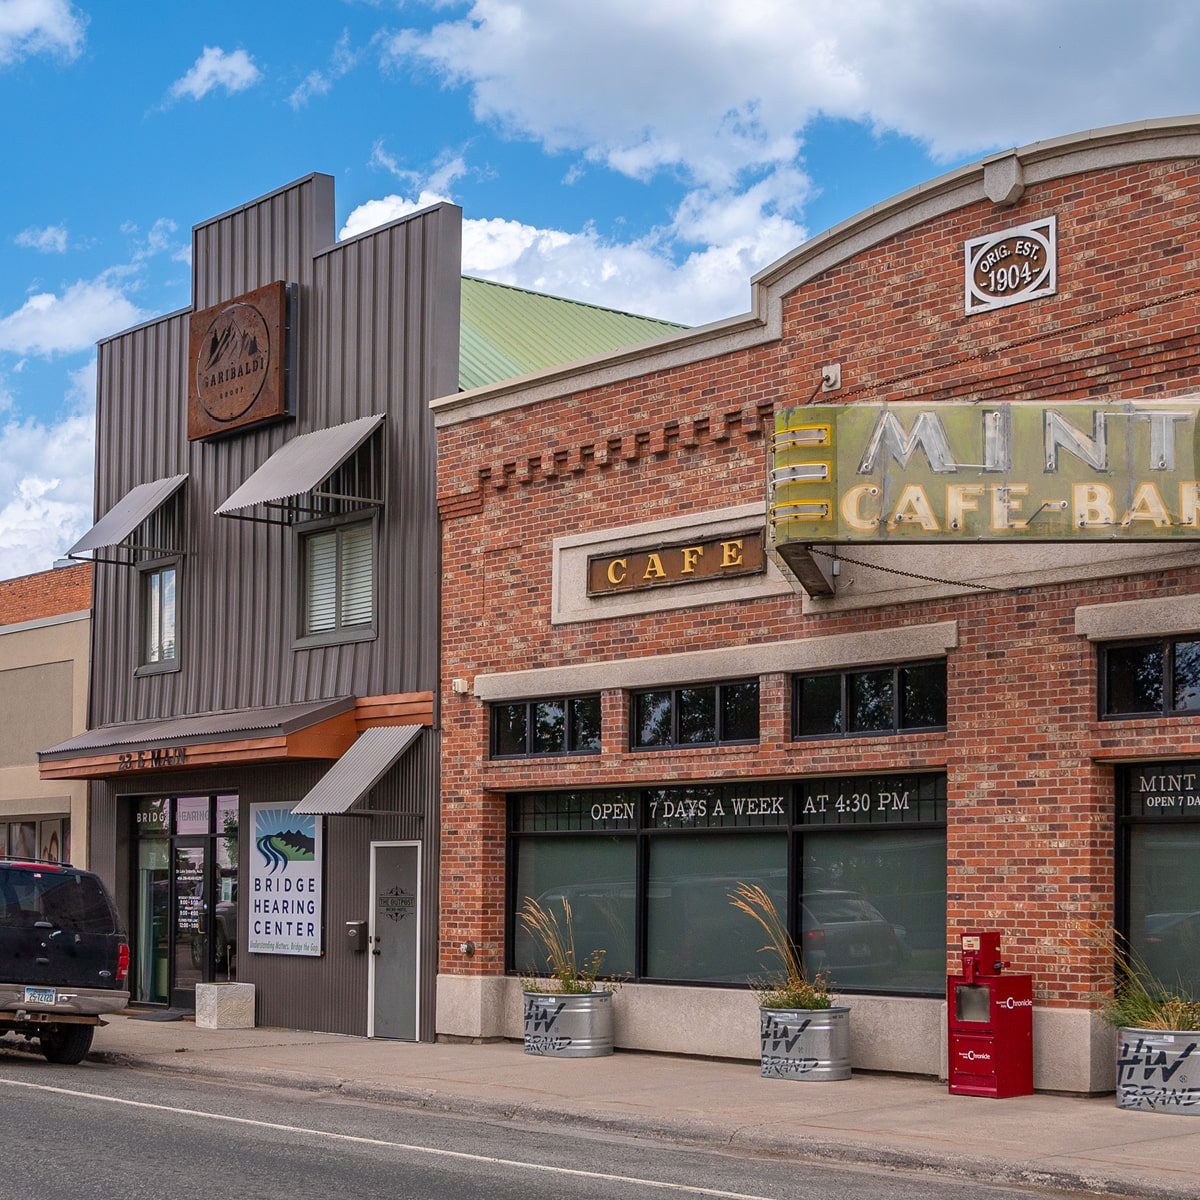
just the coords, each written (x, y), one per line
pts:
(1004, 473)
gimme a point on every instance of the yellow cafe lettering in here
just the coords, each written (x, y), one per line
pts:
(685, 562)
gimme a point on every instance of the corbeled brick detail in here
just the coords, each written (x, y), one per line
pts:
(658, 442)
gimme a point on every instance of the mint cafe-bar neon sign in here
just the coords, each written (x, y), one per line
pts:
(990, 472)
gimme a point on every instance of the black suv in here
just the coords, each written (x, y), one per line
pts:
(64, 956)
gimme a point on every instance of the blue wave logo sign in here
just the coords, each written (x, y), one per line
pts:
(282, 837)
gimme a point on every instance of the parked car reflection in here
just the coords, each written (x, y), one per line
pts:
(1171, 949)
(848, 938)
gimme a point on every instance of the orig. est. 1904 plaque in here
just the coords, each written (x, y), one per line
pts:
(237, 363)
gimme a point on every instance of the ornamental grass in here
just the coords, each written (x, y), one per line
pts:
(1138, 1000)
(556, 940)
(795, 989)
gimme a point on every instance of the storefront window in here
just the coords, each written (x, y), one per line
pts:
(594, 876)
(649, 872)
(692, 929)
(878, 700)
(1160, 813)
(700, 715)
(48, 839)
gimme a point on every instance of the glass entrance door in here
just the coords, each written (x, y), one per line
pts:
(186, 901)
(191, 868)
(152, 973)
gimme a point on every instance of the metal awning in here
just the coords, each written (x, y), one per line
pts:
(301, 465)
(307, 730)
(126, 515)
(358, 770)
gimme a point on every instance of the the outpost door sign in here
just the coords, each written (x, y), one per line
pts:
(238, 356)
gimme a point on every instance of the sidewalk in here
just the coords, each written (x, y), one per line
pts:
(1085, 1144)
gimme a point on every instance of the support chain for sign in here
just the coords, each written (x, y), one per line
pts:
(858, 562)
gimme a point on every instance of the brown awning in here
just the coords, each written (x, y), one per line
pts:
(126, 515)
(359, 769)
(317, 729)
(300, 465)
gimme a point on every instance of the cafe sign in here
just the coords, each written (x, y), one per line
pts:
(1021, 472)
(697, 561)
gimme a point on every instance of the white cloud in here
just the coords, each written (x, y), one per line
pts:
(215, 69)
(733, 238)
(719, 98)
(46, 482)
(342, 61)
(448, 168)
(86, 311)
(717, 89)
(29, 27)
(52, 239)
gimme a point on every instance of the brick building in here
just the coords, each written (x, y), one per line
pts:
(931, 733)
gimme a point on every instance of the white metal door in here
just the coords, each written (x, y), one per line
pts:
(395, 940)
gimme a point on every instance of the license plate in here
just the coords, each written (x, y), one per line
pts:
(859, 950)
(41, 995)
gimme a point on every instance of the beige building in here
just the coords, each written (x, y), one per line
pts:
(45, 627)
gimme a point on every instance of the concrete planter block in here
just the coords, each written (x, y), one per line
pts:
(225, 1006)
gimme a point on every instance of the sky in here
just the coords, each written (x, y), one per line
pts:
(645, 155)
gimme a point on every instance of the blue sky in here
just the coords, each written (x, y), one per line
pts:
(650, 155)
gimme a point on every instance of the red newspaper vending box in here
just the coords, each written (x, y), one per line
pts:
(991, 1023)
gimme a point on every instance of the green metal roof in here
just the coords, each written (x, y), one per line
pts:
(508, 331)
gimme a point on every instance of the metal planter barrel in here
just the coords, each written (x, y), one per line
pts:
(807, 1044)
(567, 1025)
(1158, 1070)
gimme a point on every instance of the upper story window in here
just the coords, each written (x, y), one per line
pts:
(870, 701)
(159, 646)
(705, 714)
(1150, 678)
(337, 581)
(560, 725)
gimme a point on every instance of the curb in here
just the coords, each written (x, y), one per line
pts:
(690, 1132)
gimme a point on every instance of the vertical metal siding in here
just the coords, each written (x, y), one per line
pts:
(293, 991)
(377, 324)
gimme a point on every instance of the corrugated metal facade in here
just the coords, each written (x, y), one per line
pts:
(375, 330)
(327, 993)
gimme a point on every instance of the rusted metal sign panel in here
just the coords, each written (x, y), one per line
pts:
(237, 359)
(1004, 473)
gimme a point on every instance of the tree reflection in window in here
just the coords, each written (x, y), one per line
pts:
(555, 725)
(876, 700)
(872, 697)
(1187, 676)
(1150, 678)
(707, 714)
